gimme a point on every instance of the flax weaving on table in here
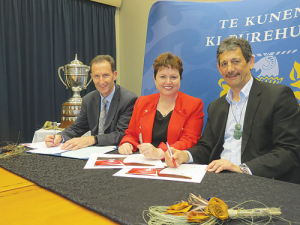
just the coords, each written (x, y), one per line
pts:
(102, 117)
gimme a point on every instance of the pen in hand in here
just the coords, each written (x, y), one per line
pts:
(173, 160)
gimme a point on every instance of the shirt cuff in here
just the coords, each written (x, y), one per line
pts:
(191, 160)
(63, 139)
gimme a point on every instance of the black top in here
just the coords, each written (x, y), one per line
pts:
(160, 128)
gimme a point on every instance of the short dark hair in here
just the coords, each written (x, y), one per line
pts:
(168, 59)
(232, 43)
(101, 58)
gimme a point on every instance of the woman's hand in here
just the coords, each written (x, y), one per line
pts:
(125, 149)
(149, 151)
(179, 157)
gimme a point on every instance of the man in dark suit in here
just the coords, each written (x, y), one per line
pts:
(254, 129)
(118, 111)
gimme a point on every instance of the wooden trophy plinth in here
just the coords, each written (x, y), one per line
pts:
(69, 113)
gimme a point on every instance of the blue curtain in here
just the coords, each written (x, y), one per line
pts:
(37, 37)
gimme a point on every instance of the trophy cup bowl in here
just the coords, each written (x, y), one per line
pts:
(76, 77)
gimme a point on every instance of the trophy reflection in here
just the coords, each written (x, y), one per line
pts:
(76, 76)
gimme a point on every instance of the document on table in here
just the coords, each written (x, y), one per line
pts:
(193, 173)
(82, 153)
(116, 161)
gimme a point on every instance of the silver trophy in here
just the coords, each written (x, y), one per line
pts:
(76, 77)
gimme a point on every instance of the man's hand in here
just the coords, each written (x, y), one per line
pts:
(149, 151)
(125, 149)
(179, 156)
(50, 141)
(222, 164)
(77, 143)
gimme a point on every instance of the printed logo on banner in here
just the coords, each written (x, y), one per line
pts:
(295, 79)
(268, 67)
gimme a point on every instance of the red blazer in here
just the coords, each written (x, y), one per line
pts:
(184, 128)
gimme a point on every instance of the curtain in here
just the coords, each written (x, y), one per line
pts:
(37, 37)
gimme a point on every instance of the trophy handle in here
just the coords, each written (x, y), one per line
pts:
(88, 69)
(61, 68)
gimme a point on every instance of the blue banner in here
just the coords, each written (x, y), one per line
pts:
(193, 31)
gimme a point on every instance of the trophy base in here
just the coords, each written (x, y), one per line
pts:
(69, 113)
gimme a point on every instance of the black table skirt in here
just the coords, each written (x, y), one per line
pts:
(123, 200)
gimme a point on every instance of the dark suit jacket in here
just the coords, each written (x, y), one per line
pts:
(271, 132)
(116, 122)
(184, 127)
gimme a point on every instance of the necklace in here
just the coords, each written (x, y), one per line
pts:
(165, 109)
(238, 133)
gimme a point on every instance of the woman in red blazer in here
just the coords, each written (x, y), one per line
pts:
(168, 116)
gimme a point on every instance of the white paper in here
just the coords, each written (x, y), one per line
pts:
(36, 145)
(117, 161)
(82, 153)
(193, 173)
(41, 148)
